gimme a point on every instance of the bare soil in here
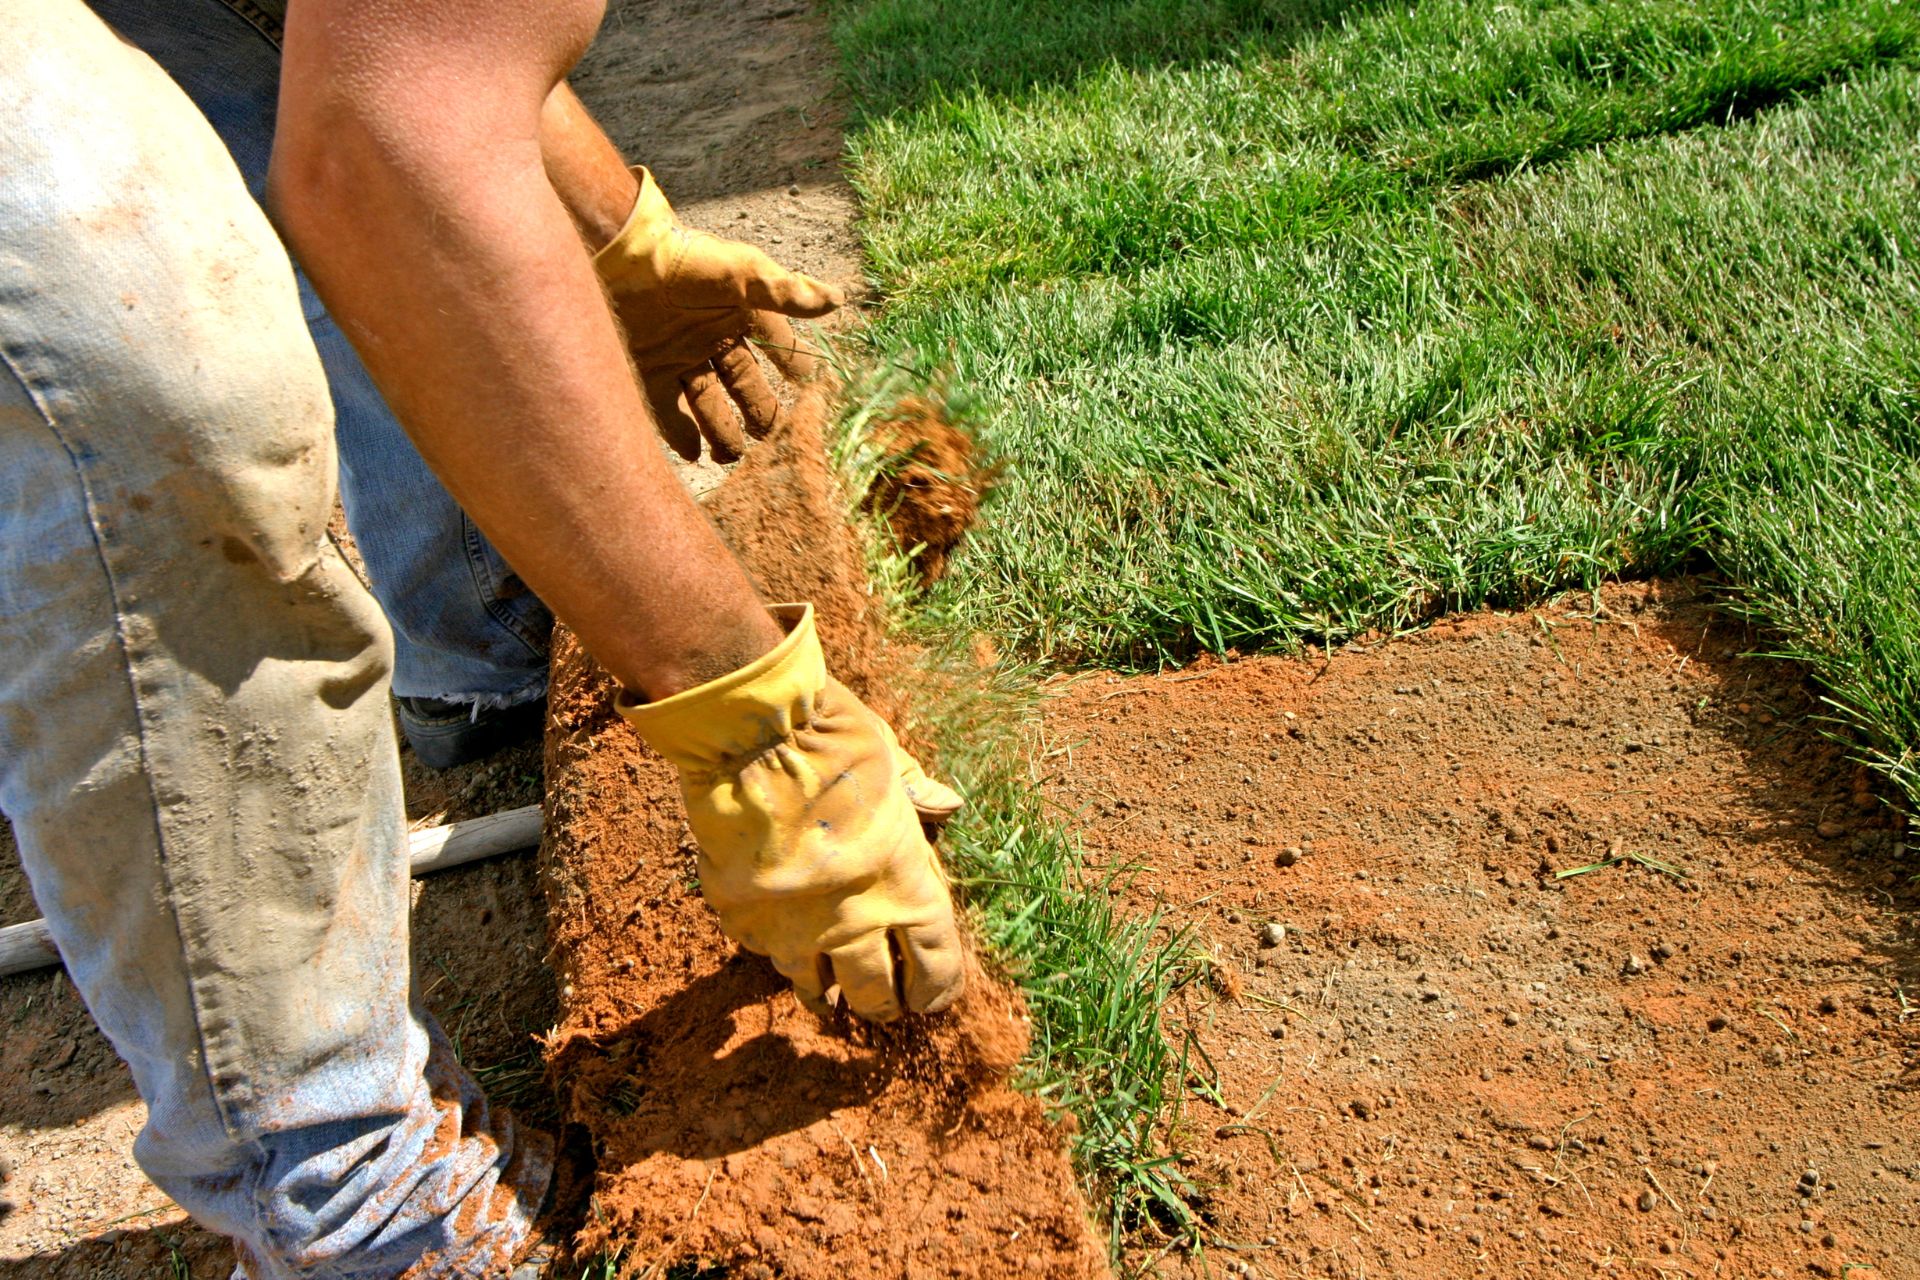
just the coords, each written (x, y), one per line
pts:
(736, 110)
(730, 1124)
(1424, 1053)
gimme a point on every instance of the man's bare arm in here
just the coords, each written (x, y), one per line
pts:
(408, 175)
(586, 168)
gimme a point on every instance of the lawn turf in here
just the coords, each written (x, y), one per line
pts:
(1301, 321)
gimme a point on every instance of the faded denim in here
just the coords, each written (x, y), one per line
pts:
(465, 628)
(196, 748)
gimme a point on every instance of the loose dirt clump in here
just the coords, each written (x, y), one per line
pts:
(731, 1125)
(1444, 1059)
(929, 485)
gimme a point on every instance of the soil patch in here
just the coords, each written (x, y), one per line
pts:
(1425, 1054)
(730, 1124)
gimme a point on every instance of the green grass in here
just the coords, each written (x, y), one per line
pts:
(1300, 321)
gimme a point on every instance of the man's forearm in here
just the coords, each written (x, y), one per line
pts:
(586, 169)
(440, 245)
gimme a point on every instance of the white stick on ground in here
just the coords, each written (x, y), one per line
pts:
(26, 947)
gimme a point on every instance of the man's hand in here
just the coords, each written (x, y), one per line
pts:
(690, 302)
(811, 851)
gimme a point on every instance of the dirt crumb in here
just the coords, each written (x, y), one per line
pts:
(930, 482)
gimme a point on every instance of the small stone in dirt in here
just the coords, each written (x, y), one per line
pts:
(1287, 856)
(793, 188)
(1663, 952)
(1278, 1033)
(1829, 1005)
(1273, 934)
(1361, 1108)
(1833, 829)
(1718, 1022)
(1634, 964)
(1647, 1201)
(1510, 1018)
(1774, 1056)
(1808, 1184)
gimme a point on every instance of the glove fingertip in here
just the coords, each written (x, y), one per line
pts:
(810, 977)
(803, 296)
(824, 300)
(713, 411)
(935, 963)
(935, 802)
(671, 418)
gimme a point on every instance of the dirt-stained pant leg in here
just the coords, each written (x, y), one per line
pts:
(195, 744)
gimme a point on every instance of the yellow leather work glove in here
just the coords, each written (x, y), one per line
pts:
(689, 302)
(811, 851)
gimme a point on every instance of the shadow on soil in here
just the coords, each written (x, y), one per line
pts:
(479, 942)
(177, 1252)
(637, 1070)
(1837, 819)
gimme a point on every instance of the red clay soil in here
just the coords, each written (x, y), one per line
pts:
(729, 1124)
(1430, 1056)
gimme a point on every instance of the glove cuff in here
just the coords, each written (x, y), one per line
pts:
(641, 256)
(720, 725)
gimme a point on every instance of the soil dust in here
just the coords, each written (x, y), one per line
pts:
(1424, 1051)
(730, 1124)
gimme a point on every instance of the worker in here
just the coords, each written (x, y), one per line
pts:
(196, 747)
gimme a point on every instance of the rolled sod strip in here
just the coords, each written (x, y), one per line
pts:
(27, 947)
(731, 1125)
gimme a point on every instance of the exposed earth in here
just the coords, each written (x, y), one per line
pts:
(1425, 1049)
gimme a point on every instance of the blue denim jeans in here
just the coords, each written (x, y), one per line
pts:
(196, 746)
(465, 628)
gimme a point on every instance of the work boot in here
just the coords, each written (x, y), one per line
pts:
(444, 734)
(536, 1264)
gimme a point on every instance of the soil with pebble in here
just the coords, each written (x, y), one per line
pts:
(1557, 943)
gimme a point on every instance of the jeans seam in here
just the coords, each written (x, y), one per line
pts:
(270, 26)
(489, 600)
(29, 389)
